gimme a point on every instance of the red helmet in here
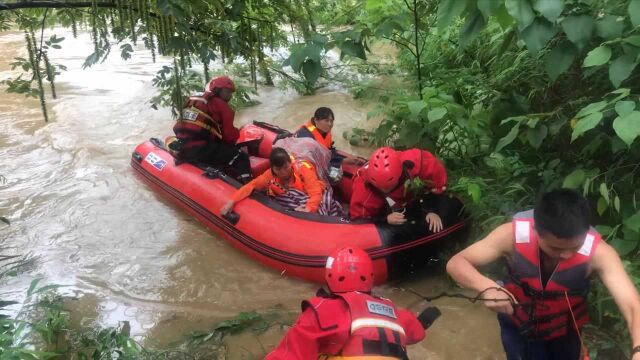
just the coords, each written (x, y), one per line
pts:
(349, 269)
(384, 169)
(220, 82)
(250, 133)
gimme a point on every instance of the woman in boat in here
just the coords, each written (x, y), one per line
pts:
(294, 183)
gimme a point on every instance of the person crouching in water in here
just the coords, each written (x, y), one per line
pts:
(293, 183)
(350, 322)
(205, 130)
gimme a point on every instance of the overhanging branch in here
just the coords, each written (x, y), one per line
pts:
(53, 5)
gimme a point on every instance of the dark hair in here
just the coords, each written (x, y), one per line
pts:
(562, 213)
(279, 157)
(323, 113)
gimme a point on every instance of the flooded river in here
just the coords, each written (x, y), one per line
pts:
(127, 254)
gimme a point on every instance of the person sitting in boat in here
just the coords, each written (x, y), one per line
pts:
(205, 131)
(385, 178)
(349, 322)
(319, 128)
(294, 183)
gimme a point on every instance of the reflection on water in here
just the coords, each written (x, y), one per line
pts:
(125, 252)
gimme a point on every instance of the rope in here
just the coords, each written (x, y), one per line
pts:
(472, 299)
(575, 324)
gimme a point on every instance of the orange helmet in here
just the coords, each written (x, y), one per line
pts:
(349, 269)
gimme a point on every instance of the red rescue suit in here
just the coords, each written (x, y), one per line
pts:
(205, 119)
(368, 202)
(351, 326)
(548, 309)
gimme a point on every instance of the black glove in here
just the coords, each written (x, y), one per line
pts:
(428, 316)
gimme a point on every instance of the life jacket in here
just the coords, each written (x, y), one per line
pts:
(549, 310)
(375, 332)
(195, 126)
(325, 141)
(275, 188)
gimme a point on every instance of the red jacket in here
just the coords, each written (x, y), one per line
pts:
(324, 327)
(367, 202)
(220, 110)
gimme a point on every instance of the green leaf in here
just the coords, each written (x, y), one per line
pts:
(311, 70)
(550, 9)
(633, 40)
(537, 135)
(591, 108)
(585, 124)
(508, 139)
(410, 134)
(604, 230)
(537, 35)
(558, 60)
(297, 57)
(634, 12)
(578, 29)
(472, 27)
(488, 7)
(602, 206)
(604, 192)
(625, 107)
(521, 11)
(32, 287)
(622, 246)
(504, 19)
(627, 127)
(436, 114)
(449, 10)
(353, 49)
(633, 222)
(621, 68)
(475, 192)
(415, 107)
(597, 56)
(616, 203)
(575, 179)
(609, 27)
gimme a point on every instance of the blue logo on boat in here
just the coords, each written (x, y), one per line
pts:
(156, 161)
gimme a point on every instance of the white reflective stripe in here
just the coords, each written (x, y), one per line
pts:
(372, 322)
(523, 233)
(587, 246)
(329, 264)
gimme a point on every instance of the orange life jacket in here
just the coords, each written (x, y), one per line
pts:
(326, 140)
(276, 188)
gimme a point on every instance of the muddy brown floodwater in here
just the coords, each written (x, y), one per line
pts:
(126, 253)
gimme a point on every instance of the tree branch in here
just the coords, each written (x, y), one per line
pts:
(53, 4)
(405, 45)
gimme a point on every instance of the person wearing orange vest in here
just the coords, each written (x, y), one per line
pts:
(205, 130)
(551, 253)
(350, 323)
(319, 128)
(293, 183)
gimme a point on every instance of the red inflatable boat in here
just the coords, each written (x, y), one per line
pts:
(294, 243)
